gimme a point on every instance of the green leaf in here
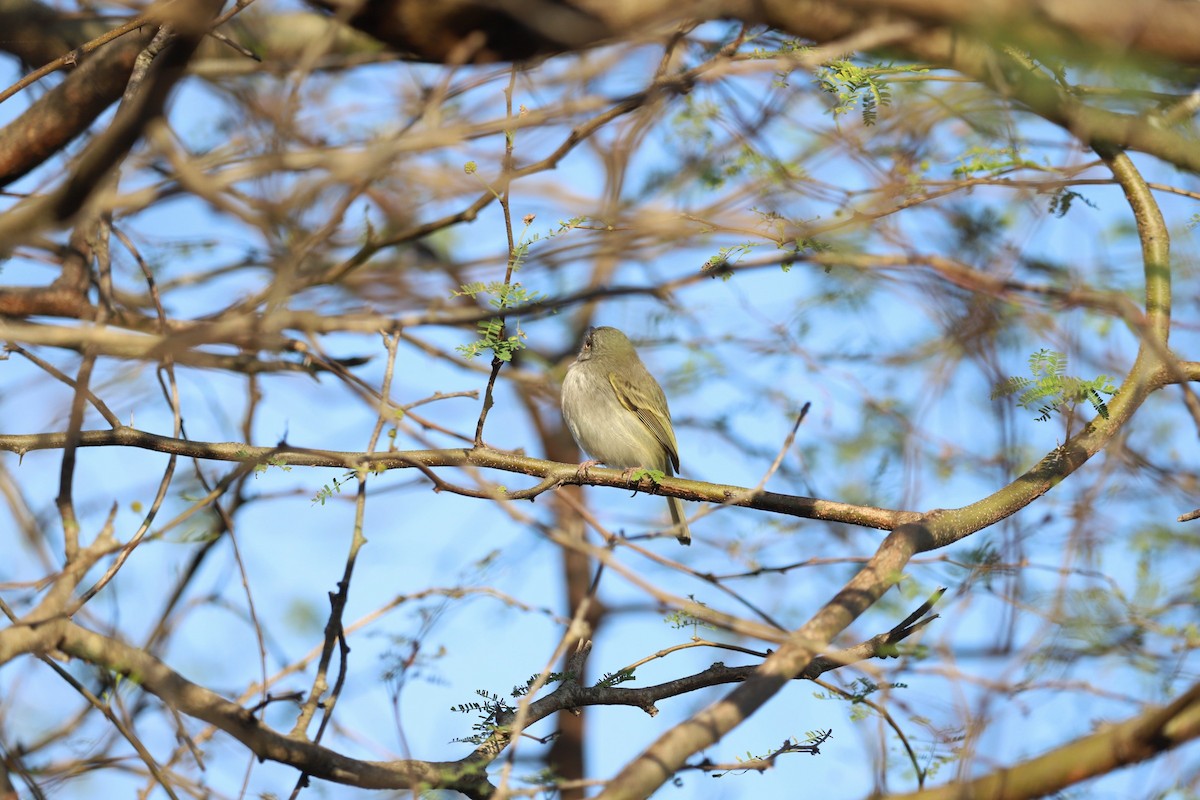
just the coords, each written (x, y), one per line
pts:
(1050, 388)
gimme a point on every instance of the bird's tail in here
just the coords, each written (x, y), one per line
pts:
(679, 519)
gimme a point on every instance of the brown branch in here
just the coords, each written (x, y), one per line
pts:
(1137, 739)
(64, 112)
(961, 36)
(36, 33)
(1045, 97)
(571, 695)
(246, 327)
(809, 746)
(196, 701)
(465, 775)
(522, 30)
(669, 753)
(72, 58)
(1098, 28)
(553, 474)
(187, 24)
(114, 342)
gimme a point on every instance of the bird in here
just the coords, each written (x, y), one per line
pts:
(618, 413)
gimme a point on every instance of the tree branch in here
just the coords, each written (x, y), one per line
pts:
(1137, 739)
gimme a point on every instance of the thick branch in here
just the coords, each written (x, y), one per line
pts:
(64, 112)
(967, 37)
(485, 30)
(197, 701)
(668, 754)
(1138, 739)
(188, 23)
(466, 775)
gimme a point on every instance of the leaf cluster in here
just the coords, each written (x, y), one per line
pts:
(851, 85)
(1050, 387)
(494, 708)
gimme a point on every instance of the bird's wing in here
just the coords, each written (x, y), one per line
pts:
(646, 408)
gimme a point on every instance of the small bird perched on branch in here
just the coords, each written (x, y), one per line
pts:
(618, 413)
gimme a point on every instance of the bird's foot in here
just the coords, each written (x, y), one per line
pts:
(634, 477)
(581, 473)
